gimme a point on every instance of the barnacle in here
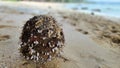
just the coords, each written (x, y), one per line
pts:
(42, 39)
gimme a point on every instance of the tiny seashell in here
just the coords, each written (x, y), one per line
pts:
(37, 58)
(50, 45)
(51, 31)
(44, 26)
(43, 44)
(42, 59)
(36, 42)
(49, 59)
(51, 27)
(24, 43)
(21, 43)
(28, 40)
(58, 55)
(39, 31)
(59, 43)
(35, 36)
(38, 54)
(50, 56)
(34, 57)
(54, 35)
(56, 48)
(27, 58)
(27, 27)
(42, 52)
(31, 45)
(53, 45)
(53, 50)
(32, 51)
(44, 38)
(31, 35)
(31, 57)
(30, 48)
(47, 54)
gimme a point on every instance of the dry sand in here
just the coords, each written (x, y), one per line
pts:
(91, 41)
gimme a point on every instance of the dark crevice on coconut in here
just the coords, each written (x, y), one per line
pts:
(42, 39)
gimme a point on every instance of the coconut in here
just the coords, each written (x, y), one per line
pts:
(42, 39)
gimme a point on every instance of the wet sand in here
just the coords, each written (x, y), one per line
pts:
(92, 41)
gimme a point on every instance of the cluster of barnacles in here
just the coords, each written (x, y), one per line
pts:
(42, 39)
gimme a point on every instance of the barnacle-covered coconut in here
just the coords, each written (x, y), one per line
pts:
(42, 39)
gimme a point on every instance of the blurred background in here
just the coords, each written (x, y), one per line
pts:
(102, 7)
(48, 0)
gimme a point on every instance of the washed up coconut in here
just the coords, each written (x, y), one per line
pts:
(42, 39)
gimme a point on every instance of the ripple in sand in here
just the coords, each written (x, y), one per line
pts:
(9, 21)
(4, 37)
(6, 26)
(84, 32)
(79, 30)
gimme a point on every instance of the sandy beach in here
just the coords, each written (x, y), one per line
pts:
(92, 41)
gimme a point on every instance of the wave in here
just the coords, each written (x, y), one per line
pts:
(115, 2)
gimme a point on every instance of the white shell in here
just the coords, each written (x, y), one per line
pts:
(59, 43)
(47, 54)
(44, 38)
(35, 36)
(39, 31)
(36, 42)
(42, 52)
(27, 27)
(49, 43)
(43, 44)
(24, 43)
(53, 50)
(27, 58)
(28, 40)
(32, 51)
(31, 57)
(31, 45)
(49, 58)
(50, 32)
(38, 54)
(31, 35)
(37, 58)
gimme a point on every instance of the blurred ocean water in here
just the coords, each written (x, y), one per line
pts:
(105, 7)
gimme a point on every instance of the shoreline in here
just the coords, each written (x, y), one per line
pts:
(60, 6)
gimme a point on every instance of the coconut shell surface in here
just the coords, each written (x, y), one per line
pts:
(42, 39)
